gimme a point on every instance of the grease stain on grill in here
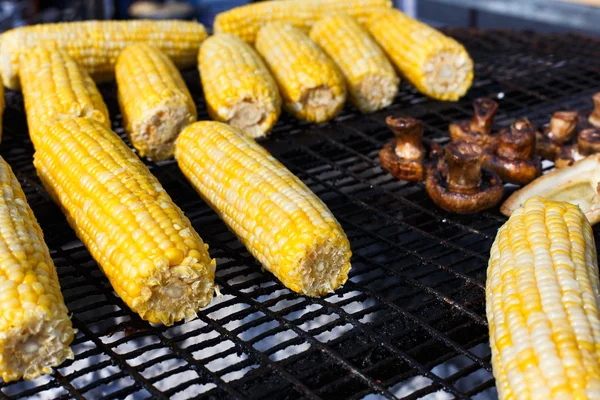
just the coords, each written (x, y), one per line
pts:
(409, 323)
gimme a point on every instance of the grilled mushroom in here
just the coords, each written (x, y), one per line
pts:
(479, 128)
(464, 187)
(594, 118)
(405, 157)
(515, 160)
(588, 142)
(556, 134)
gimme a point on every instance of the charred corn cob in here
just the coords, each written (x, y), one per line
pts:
(95, 45)
(246, 21)
(238, 87)
(35, 329)
(279, 220)
(311, 85)
(542, 304)
(155, 102)
(153, 257)
(372, 81)
(55, 87)
(434, 63)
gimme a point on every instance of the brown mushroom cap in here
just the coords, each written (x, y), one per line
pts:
(545, 147)
(594, 118)
(490, 193)
(557, 133)
(466, 188)
(405, 156)
(562, 126)
(515, 160)
(483, 117)
(409, 137)
(479, 128)
(464, 166)
(588, 142)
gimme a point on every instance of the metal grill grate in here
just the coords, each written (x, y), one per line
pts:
(409, 324)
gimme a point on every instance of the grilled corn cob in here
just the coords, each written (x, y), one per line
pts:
(372, 81)
(542, 304)
(153, 257)
(434, 63)
(55, 87)
(155, 102)
(311, 85)
(35, 329)
(95, 45)
(238, 87)
(279, 220)
(246, 21)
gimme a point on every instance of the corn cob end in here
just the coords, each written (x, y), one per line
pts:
(318, 104)
(448, 74)
(375, 92)
(251, 117)
(154, 136)
(324, 269)
(175, 293)
(33, 348)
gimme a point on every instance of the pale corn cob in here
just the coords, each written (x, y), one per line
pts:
(279, 220)
(246, 21)
(372, 81)
(542, 304)
(35, 329)
(434, 63)
(155, 102)
(153, 257)
(238, 87)
(311, 85)
(55, 87)
(95, 45)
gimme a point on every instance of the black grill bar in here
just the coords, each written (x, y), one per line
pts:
(410, 322)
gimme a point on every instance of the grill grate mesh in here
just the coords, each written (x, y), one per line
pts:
(409, 324)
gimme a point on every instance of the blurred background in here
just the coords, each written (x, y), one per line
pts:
(539, 15)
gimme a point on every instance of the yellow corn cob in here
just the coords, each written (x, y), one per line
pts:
(542, 304)
(153, 257)
(238, 87)
(434, 63)
(55, 87)
(312, 86)
(95, 45)
(155, 102)
(246, 21)
(372, 81)
(279, 220)
(35, 329)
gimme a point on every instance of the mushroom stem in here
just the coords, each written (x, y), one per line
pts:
(562, 126)
(464, 167)
(409, 137)
(588, 141)
(594, 118)
(483, 116)
(518, 143)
